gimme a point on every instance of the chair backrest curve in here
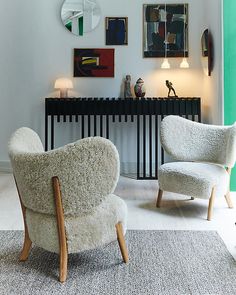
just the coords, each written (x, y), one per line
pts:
(186, 140)
(88, 171)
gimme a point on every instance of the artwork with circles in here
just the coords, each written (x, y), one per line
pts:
(80, 16)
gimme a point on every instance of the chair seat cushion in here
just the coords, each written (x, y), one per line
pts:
(193, 179)
(82, 233)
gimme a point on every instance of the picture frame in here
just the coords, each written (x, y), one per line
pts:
(165, 30)
(94, 62)
(116, 30)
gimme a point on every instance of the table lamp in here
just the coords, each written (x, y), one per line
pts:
(63, 84)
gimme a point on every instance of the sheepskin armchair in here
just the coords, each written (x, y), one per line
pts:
(67, 195)
(205, 153)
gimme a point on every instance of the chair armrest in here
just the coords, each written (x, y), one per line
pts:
(88, 171)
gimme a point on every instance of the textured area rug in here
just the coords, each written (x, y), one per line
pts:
(161, 262)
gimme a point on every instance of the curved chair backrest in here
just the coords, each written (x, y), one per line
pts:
(88, 171)
(186, 140)
(25, 140)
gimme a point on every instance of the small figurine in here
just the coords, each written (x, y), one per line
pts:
(139, 88)
(127, 90)
(171, 88)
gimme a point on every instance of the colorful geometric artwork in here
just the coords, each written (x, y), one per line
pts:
(116, 30)
(165, 30)
(94, 62)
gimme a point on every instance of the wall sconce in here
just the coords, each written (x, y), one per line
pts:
(165, 64)
(184, 64)
(63, 84)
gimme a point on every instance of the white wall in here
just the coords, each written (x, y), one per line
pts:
(35, 49)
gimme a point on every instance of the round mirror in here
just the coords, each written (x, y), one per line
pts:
(207, 52)
(80, 16)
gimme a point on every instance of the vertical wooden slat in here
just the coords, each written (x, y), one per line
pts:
(107, 126)
(46, 131)
(107, 119)
(144, 146)
(138, 146)
(52, 132)
(150, 145)
(95, 125)
(82, 126)
(162, 150)
(89, 125)
(156, 146)
(101, 125)
(120, 108)
(113, 104)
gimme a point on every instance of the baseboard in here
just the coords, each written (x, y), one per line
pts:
(128, 168)
(131, 167)
(5, 167)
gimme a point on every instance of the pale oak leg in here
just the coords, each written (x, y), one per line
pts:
(121, 241)
(26, 247)
(61, 230)
(159, 197)
(229, 201)
(211, 203)
(227, 196)
(27, 242)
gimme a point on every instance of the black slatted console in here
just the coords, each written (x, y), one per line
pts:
(95, 115)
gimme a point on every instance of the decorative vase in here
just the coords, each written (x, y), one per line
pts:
(139, 88)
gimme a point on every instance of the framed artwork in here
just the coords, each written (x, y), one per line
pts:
(116, 30)
(94, 62)
(165, 30)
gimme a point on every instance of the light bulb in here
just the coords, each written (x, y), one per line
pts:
(165, 64)
(184, 64)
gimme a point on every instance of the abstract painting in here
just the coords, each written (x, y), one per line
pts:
(116, 30)
(165, 30)
(94, 62)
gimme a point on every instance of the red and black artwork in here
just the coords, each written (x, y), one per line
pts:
(94, 62)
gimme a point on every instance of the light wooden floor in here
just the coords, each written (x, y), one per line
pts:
(177, 213)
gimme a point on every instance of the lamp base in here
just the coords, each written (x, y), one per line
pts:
(64, 93)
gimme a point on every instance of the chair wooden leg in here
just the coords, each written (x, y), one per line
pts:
(228, 200)
(26, 247)
(211, 203)
(27, 242)
(227, 196)
(61, 229)
(159, 197)
(121, 241)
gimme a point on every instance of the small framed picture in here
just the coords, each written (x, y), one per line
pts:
(93, 62)
(116, 30)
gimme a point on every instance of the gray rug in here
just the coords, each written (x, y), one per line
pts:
(161, 262)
